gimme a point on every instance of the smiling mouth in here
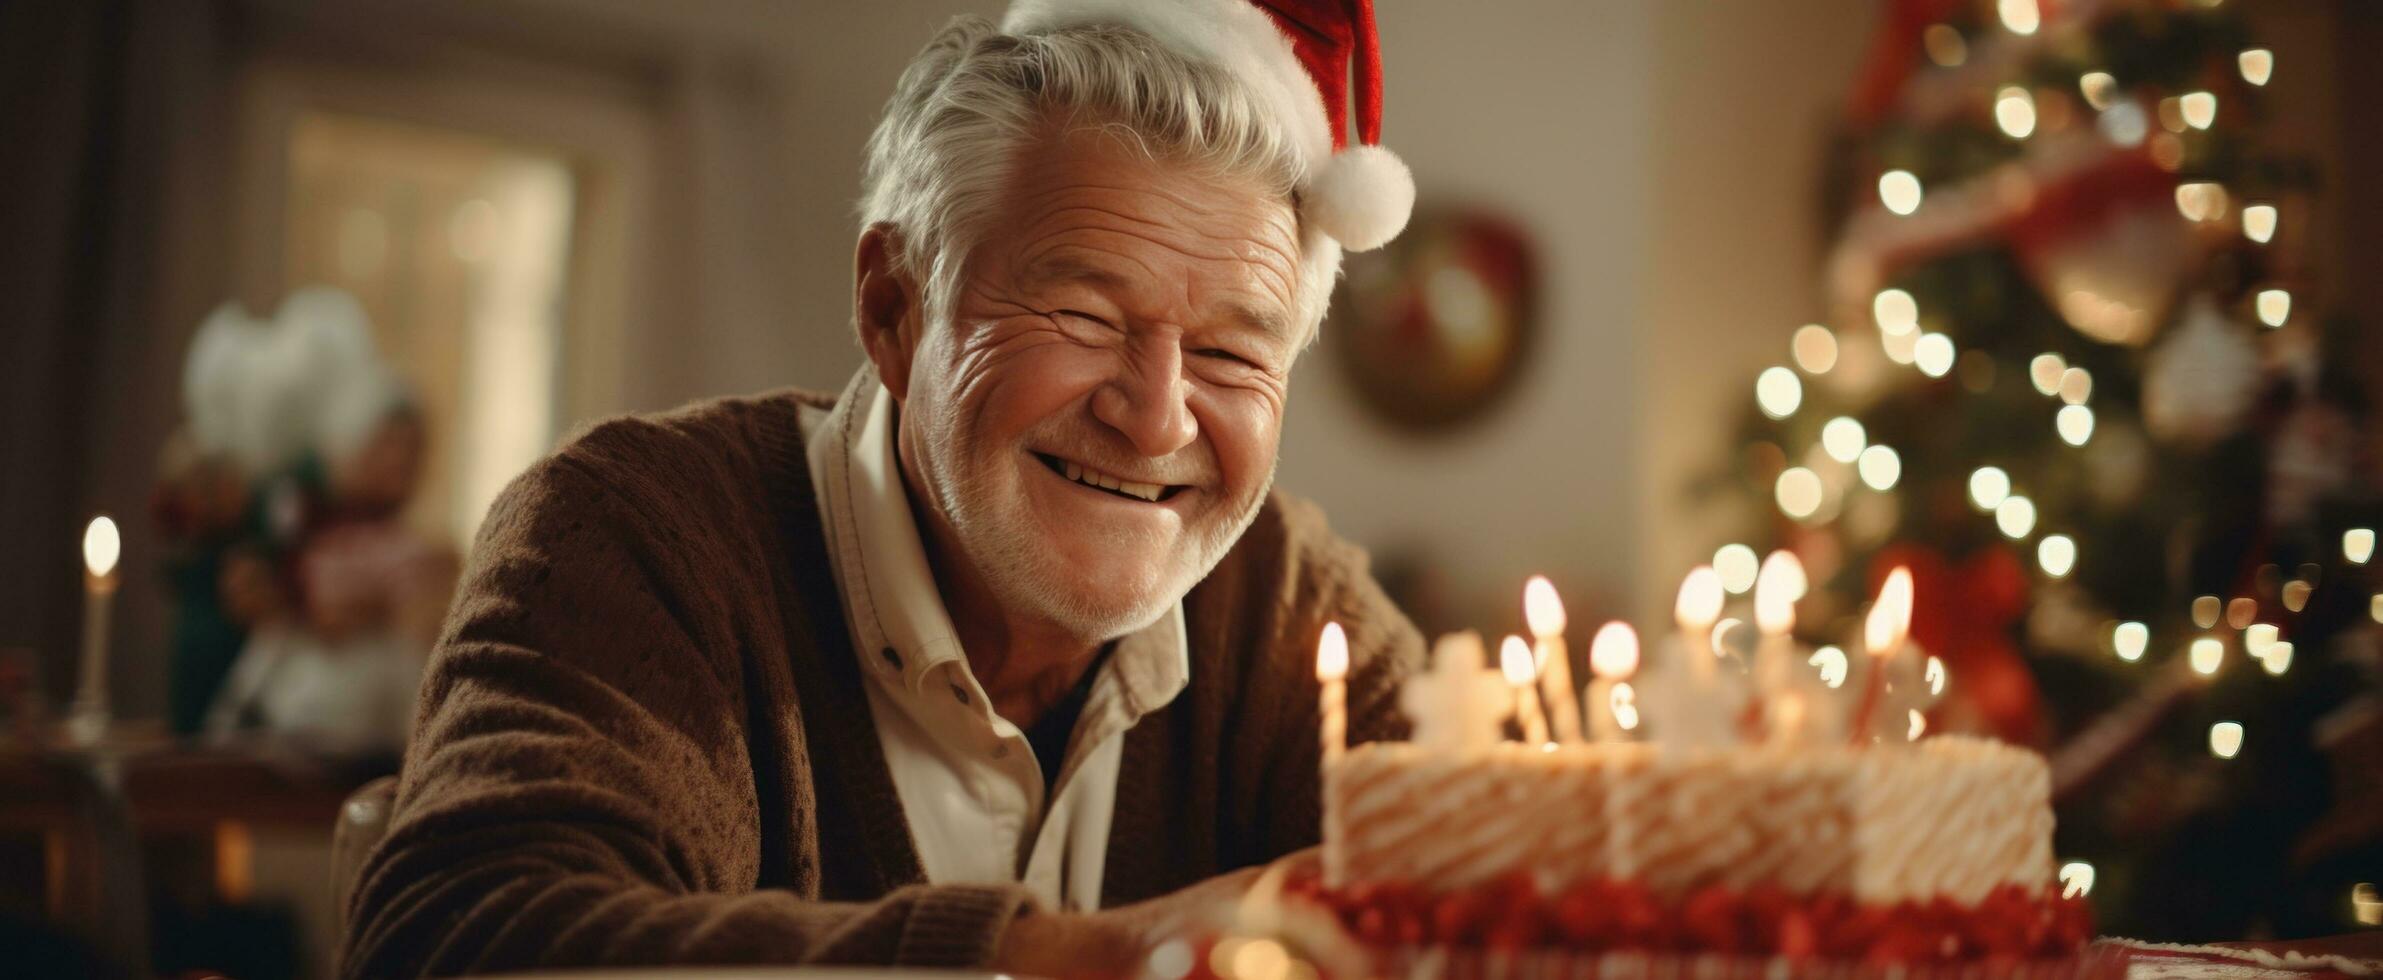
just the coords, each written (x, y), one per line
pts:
(1149, 493)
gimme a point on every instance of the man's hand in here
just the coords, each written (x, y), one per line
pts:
(1112, 942)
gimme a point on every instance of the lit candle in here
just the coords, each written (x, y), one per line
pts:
(1544, 612)
(1613, 656)
(1332, 704)
(1883, 634)
(1776, 588)
(88, 719)
(1515, 656)
(1332, 673)
(1696, 610)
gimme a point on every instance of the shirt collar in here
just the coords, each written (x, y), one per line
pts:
(889, 589)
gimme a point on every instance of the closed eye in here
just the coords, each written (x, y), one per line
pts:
(1081, 315)
(1218, 353)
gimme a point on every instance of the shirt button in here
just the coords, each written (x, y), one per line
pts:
(891, 658)
(1001, 750)
(960, 693)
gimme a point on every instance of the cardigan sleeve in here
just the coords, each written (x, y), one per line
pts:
(579, 791)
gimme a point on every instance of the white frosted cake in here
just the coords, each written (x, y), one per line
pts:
(1951, 817)
(1773, 814)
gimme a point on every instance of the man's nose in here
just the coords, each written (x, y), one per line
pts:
(1148, 401)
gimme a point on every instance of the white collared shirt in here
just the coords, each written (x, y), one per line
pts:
(968, 780)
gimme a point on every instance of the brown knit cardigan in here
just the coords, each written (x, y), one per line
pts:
(643, 737)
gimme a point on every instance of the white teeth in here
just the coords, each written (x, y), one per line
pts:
(1146, 491)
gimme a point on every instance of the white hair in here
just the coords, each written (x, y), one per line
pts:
(974, 97)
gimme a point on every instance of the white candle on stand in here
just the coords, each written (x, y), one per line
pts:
(1514, 656)
(87, 719)
(1332, 703)
(1696, 610)
(1883, 634)
(1544, 612)
(1613, 655)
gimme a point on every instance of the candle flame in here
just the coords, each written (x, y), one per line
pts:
(2076, 879)
(1332, 653)
(1514, 656)
(101, 546)
(1935, 676)
(1832, 664)
(1613, 655)
(1625, 706)
(1890, 616)
(1776, 589)
(1699, 605)
(1541, 608)
(1919, 725)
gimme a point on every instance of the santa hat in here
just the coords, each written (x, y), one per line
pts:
(1298, 55)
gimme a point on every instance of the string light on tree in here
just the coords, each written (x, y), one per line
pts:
(2124, 123)
(2201, 201)
(1900, 191)
(2074, 423)
(2225, 739)
(2206, 610)
(2097, 87)
(2206, 655)
(1815, 348)
(2014, 111)
(2019, 16)
(1778, 392)
(2258, 223)
(2046, 371)
(2258, 637)
(2278, 658)
(2358, 545)
(1988, 486)
(2200, 109)
(1895, 311)
(2275, 307)
(2129, 640)
(2015, 517)
(1934, 354)
(1945, 46)
(2076, 385)
(1900, 348)
(1737, 565)
(2241, 611)
(1843, 439)
(1879, 467)
(1799, 492)
(2056, 554)
(2257, 65)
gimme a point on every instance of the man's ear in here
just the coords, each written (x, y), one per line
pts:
(885, 307)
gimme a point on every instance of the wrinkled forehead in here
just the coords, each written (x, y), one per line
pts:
(1089, 205)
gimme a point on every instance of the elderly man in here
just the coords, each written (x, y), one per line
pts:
(1000, 656)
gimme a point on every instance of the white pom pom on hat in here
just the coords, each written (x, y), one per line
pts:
(1316, 63)
(1361, 197)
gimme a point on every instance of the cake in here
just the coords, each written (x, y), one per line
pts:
(1784, 846)
(1937, 851)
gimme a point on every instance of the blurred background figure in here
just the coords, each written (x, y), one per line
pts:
(300, 453)
(1660, 251)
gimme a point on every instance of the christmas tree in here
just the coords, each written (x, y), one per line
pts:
(2076, 380)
